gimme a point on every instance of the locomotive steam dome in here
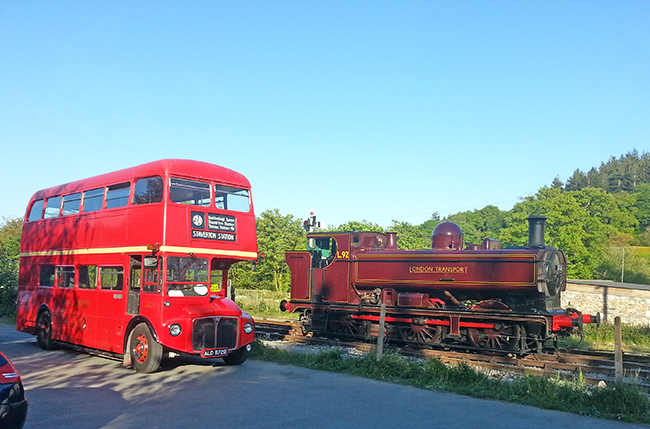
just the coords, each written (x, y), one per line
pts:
(447, 236)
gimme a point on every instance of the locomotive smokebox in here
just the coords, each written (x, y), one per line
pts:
(536, 226)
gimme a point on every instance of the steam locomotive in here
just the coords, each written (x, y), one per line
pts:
(478, 296)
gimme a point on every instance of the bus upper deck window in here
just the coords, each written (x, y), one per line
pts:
(36, 211)
(93, 200)
(71, 204)
(53, 207)
(117, 195)
(149, 190)
(192, 192)
(231, 198)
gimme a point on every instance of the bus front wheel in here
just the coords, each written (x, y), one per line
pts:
(44, 330)
(146, 352)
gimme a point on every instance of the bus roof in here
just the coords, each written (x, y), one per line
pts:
(180, 167)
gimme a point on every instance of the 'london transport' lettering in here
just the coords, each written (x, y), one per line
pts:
(437, 270)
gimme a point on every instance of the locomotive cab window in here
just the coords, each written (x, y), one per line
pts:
(323, 251)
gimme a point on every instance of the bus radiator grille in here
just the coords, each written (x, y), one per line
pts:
(214, 333)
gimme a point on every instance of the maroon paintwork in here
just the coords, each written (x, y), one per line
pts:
(345, 277)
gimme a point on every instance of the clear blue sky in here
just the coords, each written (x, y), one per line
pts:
(370, 110)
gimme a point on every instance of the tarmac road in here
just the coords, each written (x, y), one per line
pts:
(68, 389)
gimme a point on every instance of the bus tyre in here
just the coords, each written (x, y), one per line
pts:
(237, 357)
(44, 330)
(146, 352)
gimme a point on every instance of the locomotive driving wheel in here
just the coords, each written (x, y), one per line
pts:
(422, 334)
(502, 337)
(345, 324)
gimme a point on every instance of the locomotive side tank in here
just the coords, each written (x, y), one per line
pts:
(480, 296)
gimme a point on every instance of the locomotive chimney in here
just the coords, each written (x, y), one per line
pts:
(536, 231)
(391, 241)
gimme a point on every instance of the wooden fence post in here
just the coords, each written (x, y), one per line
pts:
(618, 349)
(380, 336)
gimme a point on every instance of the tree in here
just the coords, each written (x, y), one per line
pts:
(409, 236)
(276, 234)
(580, 223)
(352, 225)
(10, 231)
(479, 224)
(642, 204)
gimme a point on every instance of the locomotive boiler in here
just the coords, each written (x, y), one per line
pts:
(479, 296)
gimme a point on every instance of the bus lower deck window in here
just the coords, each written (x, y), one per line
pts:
(47, 275)
(111, 278)
(65, 277)
(87, 276)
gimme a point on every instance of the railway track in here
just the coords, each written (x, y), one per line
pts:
(591, 367)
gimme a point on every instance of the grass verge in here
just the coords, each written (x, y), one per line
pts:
(623, 402)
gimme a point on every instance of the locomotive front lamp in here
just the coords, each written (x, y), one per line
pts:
(175, 329)
(248, 327)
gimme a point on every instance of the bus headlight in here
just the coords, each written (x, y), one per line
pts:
(248, 327)
(175, 329)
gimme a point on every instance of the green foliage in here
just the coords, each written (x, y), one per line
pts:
(579, 222)
(363, 226)
(642, 205)
(637, 265)
(616, 175)
(479, 224)
(262, 303)
(410, 236)
(10, 231)
(275, 235)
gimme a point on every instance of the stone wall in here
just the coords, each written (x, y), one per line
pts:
(629, 301)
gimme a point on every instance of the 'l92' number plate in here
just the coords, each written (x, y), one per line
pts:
(208, 353)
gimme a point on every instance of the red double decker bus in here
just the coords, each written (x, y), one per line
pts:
(135, 262)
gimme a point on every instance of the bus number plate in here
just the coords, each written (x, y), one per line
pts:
(208, 353)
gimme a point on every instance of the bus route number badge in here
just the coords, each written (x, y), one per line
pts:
(209, 353)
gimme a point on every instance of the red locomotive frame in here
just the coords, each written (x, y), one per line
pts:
(482, 296)
(136, 262)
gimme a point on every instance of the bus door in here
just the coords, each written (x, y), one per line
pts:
(151, 287)
(111, 308)
(135, 285)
